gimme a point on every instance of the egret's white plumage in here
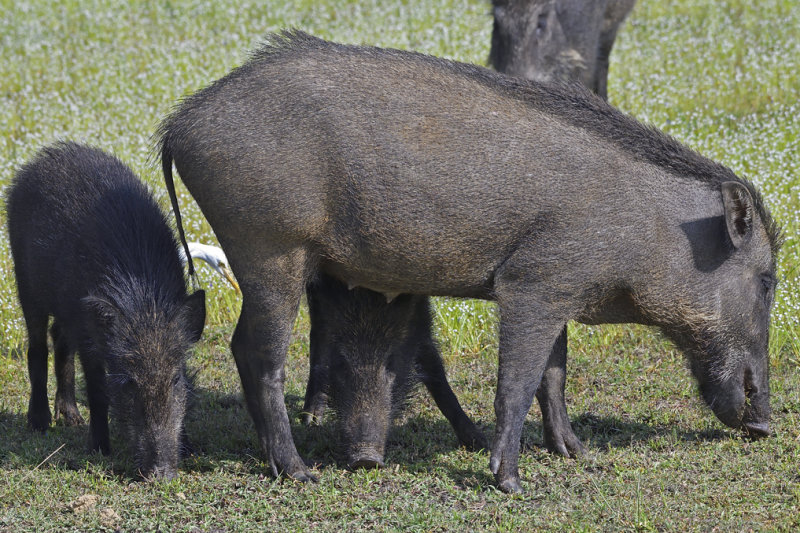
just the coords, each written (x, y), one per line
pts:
(214, 257)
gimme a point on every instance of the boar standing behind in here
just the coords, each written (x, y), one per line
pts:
(366, 355)
(540, 197)
(547, 40)
(93, 250)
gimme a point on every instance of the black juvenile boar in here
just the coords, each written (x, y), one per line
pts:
(404, 173)
(546, 40)
(93, 250)
(366, 354)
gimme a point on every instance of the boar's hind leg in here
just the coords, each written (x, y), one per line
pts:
(528, 333)
(38, 409)
(65, 405)
(260, 342)
(316, 395)
(558, 435)
(433, 376)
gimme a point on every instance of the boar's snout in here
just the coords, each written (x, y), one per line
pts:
(741, 403)
(365, 442)
(157, 456)
(365, 454)
(162, 469)
(757, 430)
(159, 466)
(160, 473)
(755, 421)
(366, 458)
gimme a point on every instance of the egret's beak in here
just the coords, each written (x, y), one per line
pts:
(228, 274)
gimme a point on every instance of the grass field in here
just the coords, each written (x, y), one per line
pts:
(721, 76)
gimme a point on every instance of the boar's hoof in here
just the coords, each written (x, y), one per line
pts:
(567, 445)
(313, 409)
(472, 438)
(303, 476)
(366, 461)
(312, 417)
(69, 416)
(72, 419)
(296, 469)
(510, 485)
(757, 430)
(476, 442)
(39, 421)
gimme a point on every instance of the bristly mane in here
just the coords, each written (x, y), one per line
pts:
(138, 257)
(570, 101)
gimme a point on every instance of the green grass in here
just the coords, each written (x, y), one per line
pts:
(720, 76)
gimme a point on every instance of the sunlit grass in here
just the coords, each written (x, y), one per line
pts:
(721, 76)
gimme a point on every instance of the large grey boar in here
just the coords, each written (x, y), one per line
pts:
(404, 173)
(93, 250)
(366, 355)
(548, 40)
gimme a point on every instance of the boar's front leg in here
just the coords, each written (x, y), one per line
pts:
(270, 298)
(97, 396)
(528, 332)
(558, 434)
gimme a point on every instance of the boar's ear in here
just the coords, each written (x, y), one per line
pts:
(101, 315)
(739, 210)
(195, 311)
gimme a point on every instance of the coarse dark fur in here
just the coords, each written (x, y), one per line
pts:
(548, 40)
(404, 173)
(93, 250)
(366, 354)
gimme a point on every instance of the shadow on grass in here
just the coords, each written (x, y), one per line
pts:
(221, 430)
(223, 437)
(60, 446)
(612, 432)
(415, 443)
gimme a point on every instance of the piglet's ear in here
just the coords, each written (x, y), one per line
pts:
(101, 315)
(195, 312)
(739, 211)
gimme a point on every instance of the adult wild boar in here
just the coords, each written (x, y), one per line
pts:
(548, 40)
(366, 355)
(404, 173)
(93, 250)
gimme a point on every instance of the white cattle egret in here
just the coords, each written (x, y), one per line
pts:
(214, 257)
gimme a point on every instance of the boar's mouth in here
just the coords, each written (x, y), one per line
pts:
(365, 455)
(159, 473)
(757, 430)
(366, 460)
(755, 421)
(157, 460)
(739, 404)
(729, 379)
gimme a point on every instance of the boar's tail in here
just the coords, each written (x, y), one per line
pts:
(166, 167)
